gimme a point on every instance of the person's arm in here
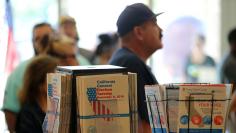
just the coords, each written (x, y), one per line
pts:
(10, 120)
(10, 102)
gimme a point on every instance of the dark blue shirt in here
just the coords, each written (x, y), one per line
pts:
(126, 58)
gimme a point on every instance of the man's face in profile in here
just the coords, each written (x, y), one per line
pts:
(38, 34)
(153, 35)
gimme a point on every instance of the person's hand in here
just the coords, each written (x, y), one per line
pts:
(144, 127)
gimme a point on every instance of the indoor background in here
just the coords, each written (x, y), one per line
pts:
(181, 21)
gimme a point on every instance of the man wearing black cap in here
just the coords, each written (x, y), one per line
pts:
(140, 37)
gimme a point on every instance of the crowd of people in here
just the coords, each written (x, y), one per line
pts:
(138, 36)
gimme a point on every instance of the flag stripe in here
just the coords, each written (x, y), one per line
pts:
(94, 107)
(108, 112)
(99, 107)
(12, 55)
(103, 111)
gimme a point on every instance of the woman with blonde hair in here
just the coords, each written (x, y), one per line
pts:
(33, 95)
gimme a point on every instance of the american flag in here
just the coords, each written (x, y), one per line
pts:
(52, 107)
(99, 107)
(12, 55)
(50, 90)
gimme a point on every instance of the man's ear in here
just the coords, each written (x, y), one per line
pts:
(138, 32)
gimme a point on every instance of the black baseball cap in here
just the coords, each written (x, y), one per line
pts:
(134, 15)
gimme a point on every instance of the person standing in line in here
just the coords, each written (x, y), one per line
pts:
(11, 106)
(33, 95)
(227, 73)
(64, 48)
(109, 42)
(197, 61)
(67, 26)
(140, 38)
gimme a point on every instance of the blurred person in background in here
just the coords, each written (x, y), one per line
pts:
(140, 38)
(227, 74)
(64, 48)
(198, 62)
(33, 95)
(227, 71)
(108, 44)
(55, 45)
(41, 33)
(179, 38)
(67, 26)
